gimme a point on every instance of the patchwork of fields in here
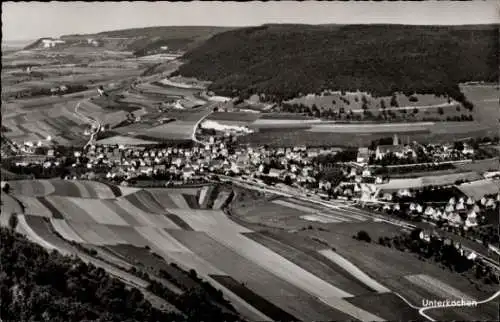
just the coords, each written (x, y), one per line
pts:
(185, 226)
(266, 275)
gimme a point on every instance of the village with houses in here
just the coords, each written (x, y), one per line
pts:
(460, 199)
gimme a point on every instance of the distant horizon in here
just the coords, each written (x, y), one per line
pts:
(270, 23)
(23, 21)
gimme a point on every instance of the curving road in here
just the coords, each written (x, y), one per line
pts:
(96, 123)
(422, 310)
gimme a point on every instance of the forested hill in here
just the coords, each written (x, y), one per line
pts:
(284, 60)
(39, 286)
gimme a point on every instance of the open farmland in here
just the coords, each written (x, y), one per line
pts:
(309, 280)
(284, 295)
(68, 188)
(34, 109)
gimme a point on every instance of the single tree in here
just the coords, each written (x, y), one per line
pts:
(394, 101)
(13, 220)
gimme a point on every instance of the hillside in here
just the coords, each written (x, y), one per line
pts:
(141, 41)
(285, 60)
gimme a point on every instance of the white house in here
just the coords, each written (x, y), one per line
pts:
(468, 150)
(366, 173)
(471, 220)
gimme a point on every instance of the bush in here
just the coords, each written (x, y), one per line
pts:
(363, 236)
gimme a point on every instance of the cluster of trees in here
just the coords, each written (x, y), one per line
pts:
(442, 251)
(385, 115)
(328, 160)
(40, 286)
(47, 91)
(412, 169)
(283, 61)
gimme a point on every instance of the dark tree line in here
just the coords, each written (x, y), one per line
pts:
(36, 285)
(442, 251)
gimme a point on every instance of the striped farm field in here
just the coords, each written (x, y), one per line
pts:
(42, 227)
(62, 227)
(54, 210)
(205, 194)
(69, 209)
(145, 201)
(356, 272)
(117, 192)
(32, 206)
(142, 255)
(130, 235)
(131, 219)
(179, 222)
(98, 211)
(88, 233)
(164, 198)
(191, 200)
(437, 287)
(24, 228)
(161, 237)
(269, 309)
(222, 198)
(82, 189)
(97, 234)
(31, 187)
(66, 188)
(145, 218)
(263, 282)
(179, 200)
(9, 205)
(309, 260)
(126, 190)
(387, 305)
(207, 220)
(292, 273)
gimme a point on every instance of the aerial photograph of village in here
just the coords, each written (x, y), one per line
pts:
(255, 161)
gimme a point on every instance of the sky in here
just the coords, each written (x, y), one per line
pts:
(33, 20)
